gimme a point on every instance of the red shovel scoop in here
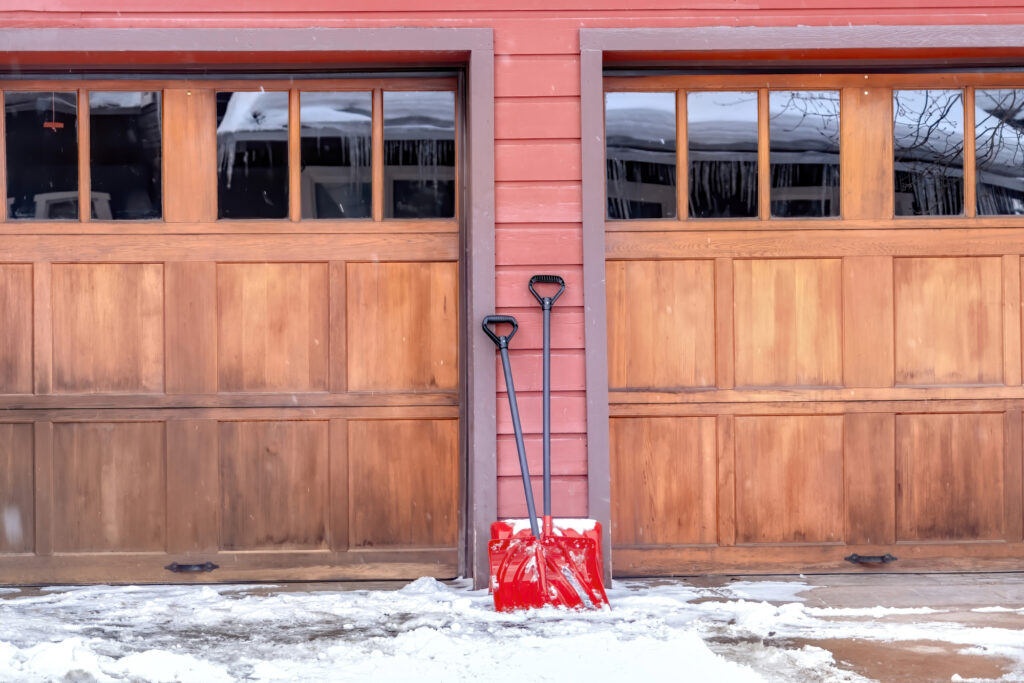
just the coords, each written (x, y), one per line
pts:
(539, 570)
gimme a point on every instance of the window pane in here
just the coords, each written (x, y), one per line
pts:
(640, 154)
(928, 146)
(252, 154)
(803, 134)
(336, 154)
(124, 150)
(419, 154)
(999, 140)
(42, 154)
(722, 140)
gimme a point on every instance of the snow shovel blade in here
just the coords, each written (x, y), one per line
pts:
(546, 572)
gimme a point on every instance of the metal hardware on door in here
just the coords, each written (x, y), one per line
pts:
(871, 559)
(191, 568)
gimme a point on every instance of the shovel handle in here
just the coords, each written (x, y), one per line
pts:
(546, 301)
(500, 340)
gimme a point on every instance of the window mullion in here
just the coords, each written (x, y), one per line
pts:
(682, 160)
(294, 156)
(377, 141)
(84, 140)
(763, 157)
(970, 165)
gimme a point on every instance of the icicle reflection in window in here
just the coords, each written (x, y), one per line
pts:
(928, 152)
(803, 138)
(640, 154)
(124, 150)
(252, 154)
(999, 140)
(337, 154)
(419, 154)
(42, 154)
(722, 137)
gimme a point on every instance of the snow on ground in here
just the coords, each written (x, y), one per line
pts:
(429, 631)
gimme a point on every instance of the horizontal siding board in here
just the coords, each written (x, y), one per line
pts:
(537, 118)
(568, 414)
(567, 370)
(538, 202)
(531, 37)
(568, 496)
(537, 161)
(566, 332)
(511, 289)
(523, 244)
(568, 455)
(536, 76)
(473, 7)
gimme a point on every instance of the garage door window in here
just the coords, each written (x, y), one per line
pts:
(999, 140)
(769, 148)
(378, 150)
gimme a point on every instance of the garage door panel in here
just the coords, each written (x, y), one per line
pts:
(782, 459)
(948, 321)
(949, 477)
(108, 487)
(191, 320)
(662, 324)
(402, 326)
(108, 327)
(16, 323)
(272, 326)
(17, 509)
(788, 322)
(870, 484)
(663, 478)
(193, 486)
(402, 483)
(868, 321)
(274, 484)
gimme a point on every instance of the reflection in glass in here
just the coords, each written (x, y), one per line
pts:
(42, 154)
(722, 140)
(928, 148)
(252, 154)
(999, 140)
(640, 154)
(336, 154)
(419, 154)
(803, 134)
(124, 150)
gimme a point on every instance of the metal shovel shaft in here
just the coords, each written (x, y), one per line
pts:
(547, 411)
(517, 427)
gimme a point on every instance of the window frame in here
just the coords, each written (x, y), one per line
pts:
(681, 84)
(293, 222)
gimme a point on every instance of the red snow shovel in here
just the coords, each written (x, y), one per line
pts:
(538, 570)
(560, 527)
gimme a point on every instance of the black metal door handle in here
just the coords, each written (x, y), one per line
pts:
(191, 568)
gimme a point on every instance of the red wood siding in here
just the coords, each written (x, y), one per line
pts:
(537, 152)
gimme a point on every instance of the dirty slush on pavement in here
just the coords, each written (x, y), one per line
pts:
(836, 628)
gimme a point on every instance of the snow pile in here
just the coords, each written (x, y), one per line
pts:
(429, 631)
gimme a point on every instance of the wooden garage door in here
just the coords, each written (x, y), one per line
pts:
(249, 357)
(814, 321)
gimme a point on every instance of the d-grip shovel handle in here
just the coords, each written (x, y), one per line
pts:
(501, 341)
(546, 301)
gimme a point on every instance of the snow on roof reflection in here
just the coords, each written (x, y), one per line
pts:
(407, 115)
(928, 126)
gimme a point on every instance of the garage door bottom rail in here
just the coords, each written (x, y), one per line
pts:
(221, 567)
(806, 559)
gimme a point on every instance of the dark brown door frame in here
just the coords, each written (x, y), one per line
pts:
(472, 48)
(946, 46)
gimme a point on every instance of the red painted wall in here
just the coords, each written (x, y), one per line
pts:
(537, 153)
